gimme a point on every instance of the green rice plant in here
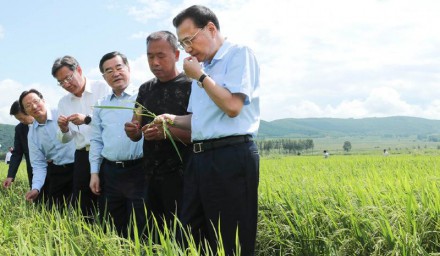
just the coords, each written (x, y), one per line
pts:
(349, 205)
(343, 205)
(140, 110)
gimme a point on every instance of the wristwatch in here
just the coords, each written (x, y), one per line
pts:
(201, 78)
(87, 119)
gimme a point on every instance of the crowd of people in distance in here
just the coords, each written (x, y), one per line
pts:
(111, 163)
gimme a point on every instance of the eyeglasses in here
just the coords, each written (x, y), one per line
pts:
(33, 103)
(111, 71)
(67, 80)
(188, 41)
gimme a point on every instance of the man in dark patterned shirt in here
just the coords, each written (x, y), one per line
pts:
(168, 92)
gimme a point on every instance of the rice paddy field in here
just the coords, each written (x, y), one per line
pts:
(309, 205)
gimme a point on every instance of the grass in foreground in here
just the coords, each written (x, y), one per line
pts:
(343, 205)
(350, 205)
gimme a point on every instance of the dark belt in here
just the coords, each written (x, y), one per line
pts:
(61, 165)
(204, 145)
(86, 148)
(124, 164)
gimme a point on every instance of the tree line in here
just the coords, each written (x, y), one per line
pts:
(284, 146)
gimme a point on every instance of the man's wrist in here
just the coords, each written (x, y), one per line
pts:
(201, 79)
(171, 120)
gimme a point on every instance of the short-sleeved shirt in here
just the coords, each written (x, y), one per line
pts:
(235, 68)
(164, 97)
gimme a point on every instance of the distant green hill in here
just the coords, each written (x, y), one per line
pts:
(320, 127)
(6, 136)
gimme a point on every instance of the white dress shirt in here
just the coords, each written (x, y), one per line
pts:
(71, 104)
(8, 157)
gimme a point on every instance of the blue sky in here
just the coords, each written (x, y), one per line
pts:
(318, 58)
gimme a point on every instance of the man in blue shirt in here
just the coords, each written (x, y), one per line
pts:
(221, 180)
(49, 157)
(116, 161)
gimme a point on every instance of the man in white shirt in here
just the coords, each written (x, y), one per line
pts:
(8, 155)
(75, 116)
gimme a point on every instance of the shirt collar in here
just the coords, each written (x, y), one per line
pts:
(128, 92)
(221, 52)
(87, 89)
(49, 117)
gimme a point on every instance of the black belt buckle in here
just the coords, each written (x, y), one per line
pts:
(197, 147)
(121, 163)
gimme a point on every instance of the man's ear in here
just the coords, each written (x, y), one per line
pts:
(79, 69)
(177, 54)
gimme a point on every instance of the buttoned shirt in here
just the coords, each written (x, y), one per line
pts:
(108, 139)
(235, 68)
(8, 157)
(71, 104)
(44, 147)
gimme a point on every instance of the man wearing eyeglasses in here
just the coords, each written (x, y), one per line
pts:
(221, 179)
(75, 116)
(49, 157)
(116, 161)
(168, 92)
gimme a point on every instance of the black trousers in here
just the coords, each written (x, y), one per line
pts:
(29, 174)
(122, 195)
(221, 195)
(59, 182)
(44, 191)
(163, 198)
(82, 194)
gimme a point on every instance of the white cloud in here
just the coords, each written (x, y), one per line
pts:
(327, 58)
(139, 70)
(140, 35)
(332, 58)
(321, 58)
(150, 9)
(2, 32)
(381, 102)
